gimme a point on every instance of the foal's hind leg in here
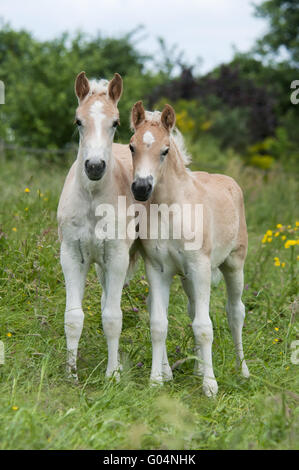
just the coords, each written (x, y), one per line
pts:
(232, 270)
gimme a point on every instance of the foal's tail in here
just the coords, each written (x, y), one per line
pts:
(133, 264)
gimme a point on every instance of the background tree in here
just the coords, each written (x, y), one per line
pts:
(283, 16)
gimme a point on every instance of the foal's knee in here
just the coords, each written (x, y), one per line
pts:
(73, 322)
(159, 329)
(112, 321)
(203, 332)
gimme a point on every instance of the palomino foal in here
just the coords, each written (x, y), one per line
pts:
(160, 176)
(101, 173)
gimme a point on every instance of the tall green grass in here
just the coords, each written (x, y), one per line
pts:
(40, 409)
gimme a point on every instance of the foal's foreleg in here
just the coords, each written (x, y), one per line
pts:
(158, 305)
(74, 271)
(202, 325)
(198, 366)
(115, 274)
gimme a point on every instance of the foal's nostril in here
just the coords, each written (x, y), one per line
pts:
(95, 171)
(142, 188)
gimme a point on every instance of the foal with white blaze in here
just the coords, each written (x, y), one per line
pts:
(160, 176)
(101, 173)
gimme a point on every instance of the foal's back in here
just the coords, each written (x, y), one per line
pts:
(226, 222)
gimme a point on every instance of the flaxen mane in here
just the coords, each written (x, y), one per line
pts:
(154, 118)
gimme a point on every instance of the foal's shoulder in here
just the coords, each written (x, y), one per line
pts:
(122, 153)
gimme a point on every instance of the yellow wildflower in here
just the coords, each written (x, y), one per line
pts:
(283, 265)
(276, 329)
(14, 229)
(15, 408)
(289, 243)
(279, 226)
(297, 223)
(26, 209)
(269, 240)
(269, 232)
(277, 263)
(9, 335)
(283, 237)
(27, 190)
(276, 234)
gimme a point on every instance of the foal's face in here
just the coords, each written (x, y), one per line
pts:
(149, 147)
(97, 118)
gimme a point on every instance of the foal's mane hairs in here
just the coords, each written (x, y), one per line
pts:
(98, 87)
(154, 118)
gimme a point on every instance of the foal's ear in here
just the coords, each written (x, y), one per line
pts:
(137, 115)
(115, 88)
(168, 117)
(81, 86)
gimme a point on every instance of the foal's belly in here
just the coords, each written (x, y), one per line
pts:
(173, 259)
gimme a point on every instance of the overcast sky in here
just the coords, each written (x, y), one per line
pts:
(202, 28)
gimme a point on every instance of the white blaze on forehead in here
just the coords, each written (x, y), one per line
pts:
(97, 115)
(96, 109)
(148, 138)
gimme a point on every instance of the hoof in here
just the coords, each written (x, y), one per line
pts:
(71, 374)
(245, 372)
(210, 387)
(113, 375)
(167, 373)
(156, 381)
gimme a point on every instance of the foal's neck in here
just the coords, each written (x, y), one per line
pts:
(174, 176)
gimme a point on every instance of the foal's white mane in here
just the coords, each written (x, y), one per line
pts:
(98, 86)
(155, 118)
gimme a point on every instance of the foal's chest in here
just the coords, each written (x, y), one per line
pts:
(168, 257)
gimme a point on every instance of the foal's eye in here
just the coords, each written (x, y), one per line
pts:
(131, 148)
(165, 152)
(115, 123)
(78, 122)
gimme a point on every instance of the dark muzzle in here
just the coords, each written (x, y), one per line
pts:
(95, 171)
(142, 188)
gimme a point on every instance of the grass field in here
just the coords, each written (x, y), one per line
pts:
(39, 409)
